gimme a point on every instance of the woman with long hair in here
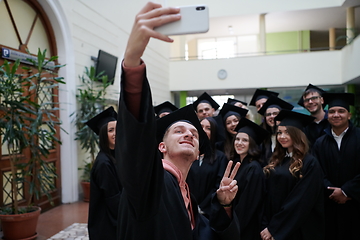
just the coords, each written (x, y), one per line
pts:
(294, 203)
(105, 187)
(230, 116)
(270, 110)
(248, 203)
(206, 173)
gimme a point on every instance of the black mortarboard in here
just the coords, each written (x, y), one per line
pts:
(295, 119)
(252, 129)
(232, 101)
(275, 102)
(205, 98)
(314, 88)
(165, 107)
(260, 93)
(339, 100)
(228, 110)
(101, 119)
(185, 114)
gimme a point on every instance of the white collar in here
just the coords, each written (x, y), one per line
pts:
(288, 154)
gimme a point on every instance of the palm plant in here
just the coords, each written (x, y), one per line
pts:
(26, 122)
(91, 98)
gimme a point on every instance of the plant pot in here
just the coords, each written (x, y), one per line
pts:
(86, 191)
(20, 226)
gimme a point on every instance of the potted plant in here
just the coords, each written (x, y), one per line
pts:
(26, 123)
(91, 98)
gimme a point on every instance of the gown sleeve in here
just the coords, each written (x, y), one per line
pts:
(138, 161)
(317, 152)
(300, 202)
(250, 199)
(107, 180)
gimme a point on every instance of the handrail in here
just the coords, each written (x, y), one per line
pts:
(254, 54)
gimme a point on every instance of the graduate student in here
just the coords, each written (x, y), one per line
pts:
(205, 106)
(105, 187)
(248, 203)
(164, 109)
(206, 173)
(312, 100)
(241, 104)
(269, 111)
(294, 207)
(237, 103)
(260, 96)
(230, 116)
(154, 158)
(338, 152)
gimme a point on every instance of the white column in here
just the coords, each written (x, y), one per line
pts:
(262, 33)
(350, 24)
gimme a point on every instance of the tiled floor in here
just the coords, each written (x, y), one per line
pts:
(60, 218)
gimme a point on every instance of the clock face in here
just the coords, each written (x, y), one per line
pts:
(222, 74)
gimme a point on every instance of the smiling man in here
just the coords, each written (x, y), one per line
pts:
(338, 152)
(313, 101)
(154, 157)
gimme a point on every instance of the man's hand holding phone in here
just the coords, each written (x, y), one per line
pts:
(151, 16)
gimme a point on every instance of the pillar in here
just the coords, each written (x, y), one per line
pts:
(332, 39)
(350, 24)
(262, 33)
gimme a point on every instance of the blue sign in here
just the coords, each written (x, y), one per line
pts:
(5, 53)
(23, 57)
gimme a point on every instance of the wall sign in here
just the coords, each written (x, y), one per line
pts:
(23, 57)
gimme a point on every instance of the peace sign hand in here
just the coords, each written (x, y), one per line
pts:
(228, 186)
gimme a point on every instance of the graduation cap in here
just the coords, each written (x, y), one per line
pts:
(313, 88)
(252, 129)
(101, 119)
(165, 107)
(260, 93)
(339, 100)
(205, 98)
(295, 119)
(228, 110)
(185, 114)
(232, 101)
(275, 102)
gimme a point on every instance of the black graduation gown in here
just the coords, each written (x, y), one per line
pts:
(341, 169)
(151, 204)
(105, 191)
(294, 207)
(249, 200)
(204, 180)
(266, 151)
(315, 130)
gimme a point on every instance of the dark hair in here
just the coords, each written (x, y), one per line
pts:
(213, 137)
(300, 149)
(254, 152)
(311, 90)
(229, 141)
(104, 142)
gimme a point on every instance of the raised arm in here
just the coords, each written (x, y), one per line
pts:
(138, 162)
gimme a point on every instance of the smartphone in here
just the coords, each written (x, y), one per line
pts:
(194, 19)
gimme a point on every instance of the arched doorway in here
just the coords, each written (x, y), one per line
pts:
(25, 28)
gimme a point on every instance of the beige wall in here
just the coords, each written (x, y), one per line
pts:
(106, 25)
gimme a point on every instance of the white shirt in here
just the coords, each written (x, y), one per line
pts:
(339, 138)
